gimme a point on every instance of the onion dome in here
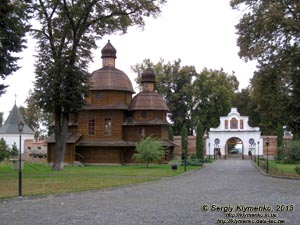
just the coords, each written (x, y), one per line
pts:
(109, 78)
(148, 76)
(109, 51)
(148, 101)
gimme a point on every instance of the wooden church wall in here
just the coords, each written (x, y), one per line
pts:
(148, 115)
(102, 98)
(134, 133)
(99, 154)
(116, 117)
(69, 153)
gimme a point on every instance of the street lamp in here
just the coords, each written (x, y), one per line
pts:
(258, 153)
(20, 127)
(267, 143)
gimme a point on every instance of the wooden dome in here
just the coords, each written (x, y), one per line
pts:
(110, 78)
(148, 101)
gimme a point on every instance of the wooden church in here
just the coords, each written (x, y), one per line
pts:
(107, 129)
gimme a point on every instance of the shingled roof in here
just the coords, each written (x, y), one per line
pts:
(11, 124)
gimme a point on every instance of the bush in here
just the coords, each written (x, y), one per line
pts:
(292, 151)
(297, 169)
(149, 150)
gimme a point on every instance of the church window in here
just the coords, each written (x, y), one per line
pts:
(107, 128)
(226, 124)
(144, 114)
(91, 127)
(105, 61)
(142, 132)
(99, 95)
(241, 124)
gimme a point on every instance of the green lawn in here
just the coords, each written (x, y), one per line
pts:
(280, 169)
(39, 179)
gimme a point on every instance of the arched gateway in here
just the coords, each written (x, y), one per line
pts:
(234, 138)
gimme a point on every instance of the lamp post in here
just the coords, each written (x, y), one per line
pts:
(258, 153)
(20, 127)
(267, 143)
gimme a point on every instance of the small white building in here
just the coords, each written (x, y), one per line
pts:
(10, 129)
(234, 130)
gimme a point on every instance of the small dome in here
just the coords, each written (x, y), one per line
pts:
(148, 101)
(148, 76)
(109, 51)
(109, 78)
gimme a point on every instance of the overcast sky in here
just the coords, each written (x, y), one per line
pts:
(199, 32)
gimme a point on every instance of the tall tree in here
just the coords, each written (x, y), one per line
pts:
(199, 141)
(66, 34)
(13, 27)
(244, 102)
(213, 95)
(35, 117)
(270, 95)
(269, 31)
(184, 142)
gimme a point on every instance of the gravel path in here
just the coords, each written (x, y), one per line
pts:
(225, 186)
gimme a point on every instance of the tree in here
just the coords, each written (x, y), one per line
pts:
(13, 27)
(148, 150)
(35, 117)
(270, 96)
(199, 141)
(14, 152)
(280, 134)
(269, 32)
(171, 138)
(213, 95)
(184, 142)
(67, 33)
(4, 150)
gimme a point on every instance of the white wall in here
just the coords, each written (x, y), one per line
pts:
(10, 139)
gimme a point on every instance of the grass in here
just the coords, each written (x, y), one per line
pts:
(280, 169)
(39, 179)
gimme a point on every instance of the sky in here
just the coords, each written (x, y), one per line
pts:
(199, 32)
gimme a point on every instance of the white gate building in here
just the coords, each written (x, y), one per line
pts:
(234, 130)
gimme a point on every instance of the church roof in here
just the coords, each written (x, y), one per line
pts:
(148, 76)
(109, 51)
(148, 101)
(11, 124)
(109, 78)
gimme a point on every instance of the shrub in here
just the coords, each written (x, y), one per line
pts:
(292, 151)
(297, 169)
(149, 150)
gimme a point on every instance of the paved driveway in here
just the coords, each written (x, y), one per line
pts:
(230, 191)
